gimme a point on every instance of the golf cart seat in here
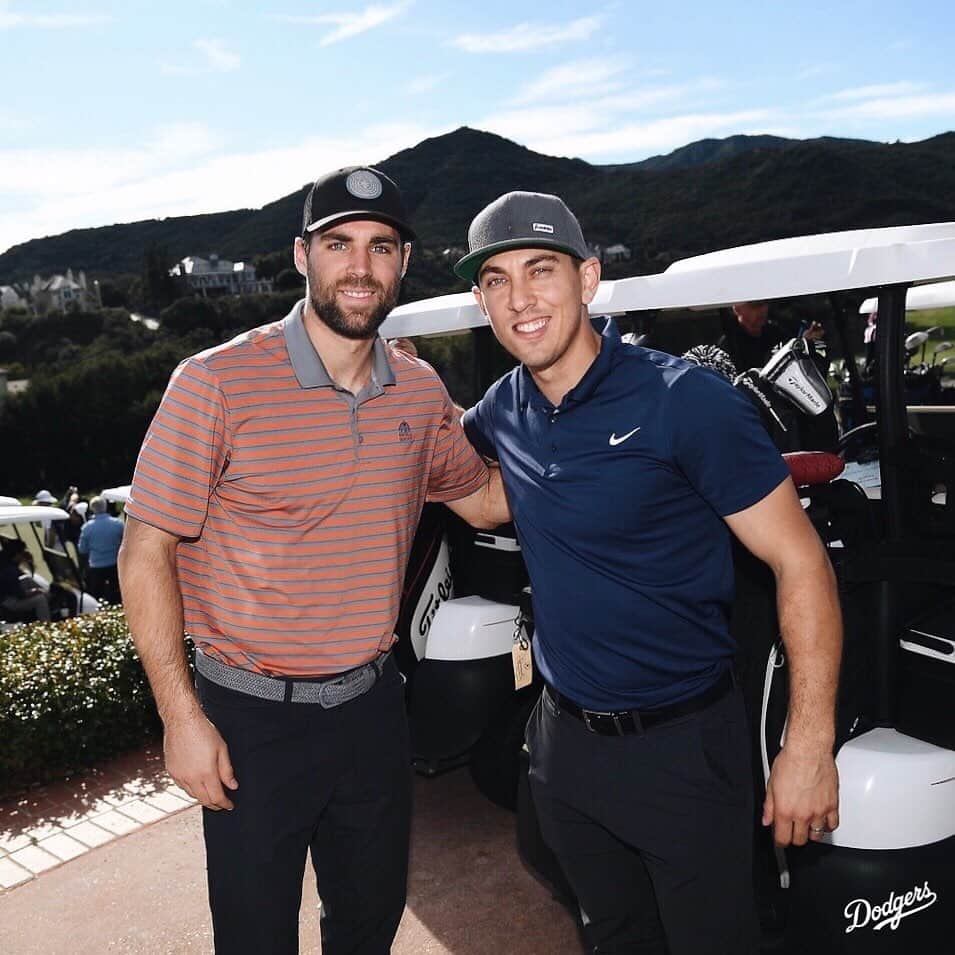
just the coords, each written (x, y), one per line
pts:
(487, 564)
(62, 568)
(929, 476)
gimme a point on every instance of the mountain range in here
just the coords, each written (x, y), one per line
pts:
(707, 195)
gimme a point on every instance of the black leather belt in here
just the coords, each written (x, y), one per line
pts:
(636, 721)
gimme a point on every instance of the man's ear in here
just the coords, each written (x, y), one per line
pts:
(479, 298)
(589, 279)
(300, 256)
(405, 257)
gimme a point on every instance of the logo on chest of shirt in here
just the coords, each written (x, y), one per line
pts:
(614, 440)
(404, 433)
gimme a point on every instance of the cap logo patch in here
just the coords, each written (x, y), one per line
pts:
(363, 184)
(542, 227)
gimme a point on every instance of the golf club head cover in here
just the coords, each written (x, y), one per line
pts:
(813, 467)
(793, 374)
(713, 357)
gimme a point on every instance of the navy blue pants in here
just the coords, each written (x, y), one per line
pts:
(652, 830)
(334, 782)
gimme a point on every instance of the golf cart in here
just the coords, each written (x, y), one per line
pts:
(885, 878)
(116, 496)
(65, 590)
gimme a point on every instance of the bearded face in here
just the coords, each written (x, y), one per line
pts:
(354, 272)
(360, 318)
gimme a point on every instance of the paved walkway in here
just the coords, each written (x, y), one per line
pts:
(54, 824)
(112, 862)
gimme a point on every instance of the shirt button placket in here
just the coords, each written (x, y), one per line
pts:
(359, 437)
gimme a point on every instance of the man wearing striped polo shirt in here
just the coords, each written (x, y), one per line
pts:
(271, 516)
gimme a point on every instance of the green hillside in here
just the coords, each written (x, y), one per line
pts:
(704, 196)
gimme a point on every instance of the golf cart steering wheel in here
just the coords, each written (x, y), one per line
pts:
(860, 443)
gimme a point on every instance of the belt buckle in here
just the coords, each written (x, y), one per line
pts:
(600, 721)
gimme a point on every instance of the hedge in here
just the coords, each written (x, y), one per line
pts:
(71, 694)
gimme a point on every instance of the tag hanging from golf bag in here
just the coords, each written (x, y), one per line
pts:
(521, 654)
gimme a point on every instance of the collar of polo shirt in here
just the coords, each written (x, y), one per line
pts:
(599, 368)
(307, 363)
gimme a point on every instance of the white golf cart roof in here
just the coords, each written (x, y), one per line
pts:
(119, 495)
(4, 500)
(806, 265)
(919, 298)
(30, 514)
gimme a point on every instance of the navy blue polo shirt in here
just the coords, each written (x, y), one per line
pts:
(618, 497)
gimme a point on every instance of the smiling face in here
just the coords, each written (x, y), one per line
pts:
(354, 271)
(534, 299)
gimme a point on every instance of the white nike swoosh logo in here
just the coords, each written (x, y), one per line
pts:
(614, 440)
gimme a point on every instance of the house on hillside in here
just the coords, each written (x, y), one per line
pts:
(10, 297)
(61, 292)
(214, 276)
(611, 253)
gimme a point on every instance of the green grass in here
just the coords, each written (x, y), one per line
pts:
(944, 318)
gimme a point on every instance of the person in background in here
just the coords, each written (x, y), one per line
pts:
(627, 471)
(99, 541)
(868, 339)
(45, 499)
(754, 336)
(19, 594)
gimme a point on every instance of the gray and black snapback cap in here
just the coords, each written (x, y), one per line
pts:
(521, 220)
(355, 192)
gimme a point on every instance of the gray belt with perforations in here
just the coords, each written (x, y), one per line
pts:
(328, 693)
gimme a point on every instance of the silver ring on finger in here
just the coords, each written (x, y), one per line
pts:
(817, 829)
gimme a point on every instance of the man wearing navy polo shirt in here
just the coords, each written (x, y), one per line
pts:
(626, 471)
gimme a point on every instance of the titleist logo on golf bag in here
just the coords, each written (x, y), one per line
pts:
(862, 913)
(442, 592)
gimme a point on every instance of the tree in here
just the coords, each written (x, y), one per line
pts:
(159, 287)
(288, 280)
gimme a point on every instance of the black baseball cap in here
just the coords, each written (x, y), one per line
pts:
(355, 192)
(521, 220)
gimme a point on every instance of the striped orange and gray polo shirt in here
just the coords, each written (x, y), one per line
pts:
(296, 500)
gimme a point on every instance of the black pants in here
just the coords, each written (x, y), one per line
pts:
(653, 831)
(336, 782)
(103, 583)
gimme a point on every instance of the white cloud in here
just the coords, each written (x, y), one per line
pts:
(608, 114)
(178, 171)
(577, 79)
(349, 24)
(902, 88)
(900, 107)
(581, 131)
(214, 55)
(815, 69)
(527, 36)
(48, 21)
(98, 170)
(424, 84)
(218, 56)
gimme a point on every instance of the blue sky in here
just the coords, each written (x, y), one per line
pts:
(114, 112)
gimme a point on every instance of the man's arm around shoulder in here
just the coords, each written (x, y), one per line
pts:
(803, 788)
(197, 757)
(487, 507)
